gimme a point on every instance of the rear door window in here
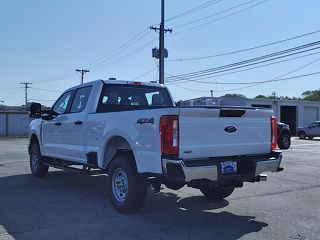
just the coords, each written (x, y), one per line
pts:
(80, 99)
(117, 97)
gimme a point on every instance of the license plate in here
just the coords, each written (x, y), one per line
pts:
(228, 167)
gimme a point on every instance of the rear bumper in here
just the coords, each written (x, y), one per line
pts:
(210, 168)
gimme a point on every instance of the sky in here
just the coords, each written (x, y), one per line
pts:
(43, 42)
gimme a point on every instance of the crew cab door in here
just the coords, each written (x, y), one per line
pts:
(51, 129)
(73, 127)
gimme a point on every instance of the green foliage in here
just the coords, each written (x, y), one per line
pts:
(265, 97)
(277, 97)
(234, 95)
(311, 95)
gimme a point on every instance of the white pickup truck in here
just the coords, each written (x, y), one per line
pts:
(134, 132)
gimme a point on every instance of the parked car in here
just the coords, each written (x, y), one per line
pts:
(311, 131)
(284, 136)
(133, 132)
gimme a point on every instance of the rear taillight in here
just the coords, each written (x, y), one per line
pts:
(169, 132)
(274, 132)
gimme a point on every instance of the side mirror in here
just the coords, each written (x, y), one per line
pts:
(35, 110)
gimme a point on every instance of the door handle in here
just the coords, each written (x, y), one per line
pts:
(58, 124)
(78, 122)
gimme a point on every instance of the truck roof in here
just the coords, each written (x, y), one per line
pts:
(114, 81)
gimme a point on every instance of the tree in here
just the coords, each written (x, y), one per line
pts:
(261, 96)
(234, 95)
(311, 95)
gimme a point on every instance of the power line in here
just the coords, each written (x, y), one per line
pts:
(279, 78)
(195, 9)
(118, 50)
(144, 74)
(248, 62)
(237, 71)
(212, 15)
(239, 67)
(272, 80)
(260, 82)
(44, 100)
(220, 18)
(130, 54)
(46, 90)
(7, 89)
(244, 50)
(102, 59)
(189, 89)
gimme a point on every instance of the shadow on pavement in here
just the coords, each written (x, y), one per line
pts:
(65, 205)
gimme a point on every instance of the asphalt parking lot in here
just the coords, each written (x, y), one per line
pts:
(69, 206)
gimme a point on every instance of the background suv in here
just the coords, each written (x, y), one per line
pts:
(311, 131)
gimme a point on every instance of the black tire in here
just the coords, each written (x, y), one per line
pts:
(127, 189)
(284, 141)
(38, 169)
(302, 135)
(217, 192)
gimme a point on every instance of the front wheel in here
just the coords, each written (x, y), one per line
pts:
(217, 192)
(127, 189)
(38, 169)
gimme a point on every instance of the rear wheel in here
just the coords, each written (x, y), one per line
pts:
(38, 169)
(127, 188)
(284, 141)
(217, 192)
(302, 135)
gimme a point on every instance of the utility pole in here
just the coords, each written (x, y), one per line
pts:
(26, 86)
(162, 53)
(82, 71)
(211, 91)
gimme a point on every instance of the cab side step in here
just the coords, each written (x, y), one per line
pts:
(69, 166)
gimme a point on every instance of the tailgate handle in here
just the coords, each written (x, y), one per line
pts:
(58, 124)
(232, 112)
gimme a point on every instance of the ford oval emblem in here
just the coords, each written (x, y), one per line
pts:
(230, 129)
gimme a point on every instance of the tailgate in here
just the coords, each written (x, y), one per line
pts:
(216, 132)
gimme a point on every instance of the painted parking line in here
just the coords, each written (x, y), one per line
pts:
(307, 144)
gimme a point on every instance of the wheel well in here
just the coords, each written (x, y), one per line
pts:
(33, 139)
(285, 132)
(116, 145)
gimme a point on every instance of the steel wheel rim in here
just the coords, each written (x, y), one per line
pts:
(120, 185)
(34, 159)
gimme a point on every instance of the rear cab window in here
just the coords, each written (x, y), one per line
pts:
(122, 97)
